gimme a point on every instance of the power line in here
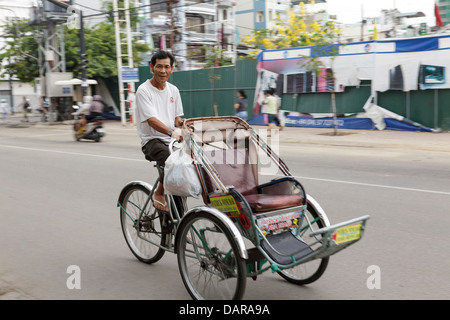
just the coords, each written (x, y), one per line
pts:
(139, 7)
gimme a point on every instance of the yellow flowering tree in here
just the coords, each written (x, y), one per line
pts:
(297, 29)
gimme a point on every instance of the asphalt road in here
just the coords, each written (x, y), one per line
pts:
(58, 212)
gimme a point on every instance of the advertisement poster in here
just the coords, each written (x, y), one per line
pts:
(279, 223)
(391, 64)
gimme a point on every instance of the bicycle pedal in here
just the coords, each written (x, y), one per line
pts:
(146, 225)
(167, 227)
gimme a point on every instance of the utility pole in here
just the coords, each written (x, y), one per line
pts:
(363, 22)
(75, 21)
(170, 12)
(181, 33)
(83, 60)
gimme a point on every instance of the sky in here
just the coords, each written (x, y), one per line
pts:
(349, 11)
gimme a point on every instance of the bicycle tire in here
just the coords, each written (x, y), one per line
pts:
(311, 271)
(215, 271)
(136, 227)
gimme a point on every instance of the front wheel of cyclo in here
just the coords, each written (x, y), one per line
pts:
(209, 260)
(310, 271)
(142, 226)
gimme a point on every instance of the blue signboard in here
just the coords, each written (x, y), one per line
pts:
(130, 75)
(66, 90)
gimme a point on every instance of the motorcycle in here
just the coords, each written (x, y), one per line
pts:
(94, 128)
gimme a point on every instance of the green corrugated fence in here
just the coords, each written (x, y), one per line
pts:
(202, 90)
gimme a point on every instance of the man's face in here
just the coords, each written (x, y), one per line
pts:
(161, 70)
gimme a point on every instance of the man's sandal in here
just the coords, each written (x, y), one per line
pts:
(160, 203)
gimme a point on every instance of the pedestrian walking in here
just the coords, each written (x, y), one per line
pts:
(272, 110)
(4, 109)
(281, 115)
(241, 105)
(25, 106)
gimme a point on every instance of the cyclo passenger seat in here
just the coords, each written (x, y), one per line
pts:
(235, 169)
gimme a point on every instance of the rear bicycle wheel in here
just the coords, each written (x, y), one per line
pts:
(209, 260)
(141, 226)
(308, 272)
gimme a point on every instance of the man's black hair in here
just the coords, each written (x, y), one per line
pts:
(162, 55)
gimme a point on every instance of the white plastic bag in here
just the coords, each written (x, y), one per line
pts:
(180, 175)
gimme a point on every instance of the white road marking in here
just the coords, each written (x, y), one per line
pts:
(374, 185)
(72, 153)
(297, 177)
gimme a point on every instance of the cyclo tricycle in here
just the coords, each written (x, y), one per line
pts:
(244, 226)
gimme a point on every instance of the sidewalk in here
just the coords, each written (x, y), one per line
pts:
(425, 141)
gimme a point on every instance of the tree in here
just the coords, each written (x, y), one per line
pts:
(100, 50)
(20, 52)
(214, 57)
(297, 30)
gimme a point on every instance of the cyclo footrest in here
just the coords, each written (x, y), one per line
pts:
(254, 255)
(284, 243)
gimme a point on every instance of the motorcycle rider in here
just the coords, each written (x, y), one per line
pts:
(95, 109)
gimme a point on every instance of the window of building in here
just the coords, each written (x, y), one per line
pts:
(260, 16)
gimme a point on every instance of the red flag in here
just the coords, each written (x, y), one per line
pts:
(438, 16)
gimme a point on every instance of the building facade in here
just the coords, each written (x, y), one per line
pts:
(261, 14)
(187, 27)
(444, 10)
(10, 89)
(258, 14)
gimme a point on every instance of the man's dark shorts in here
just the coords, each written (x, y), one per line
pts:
(156, 150)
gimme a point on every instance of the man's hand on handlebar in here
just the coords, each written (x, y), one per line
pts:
(176, 134)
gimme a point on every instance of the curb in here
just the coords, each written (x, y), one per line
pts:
(386, 139)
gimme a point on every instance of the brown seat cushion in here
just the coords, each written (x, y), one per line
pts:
(233, 171)
(267, 202)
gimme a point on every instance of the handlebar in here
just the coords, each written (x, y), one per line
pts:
(172, 143)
